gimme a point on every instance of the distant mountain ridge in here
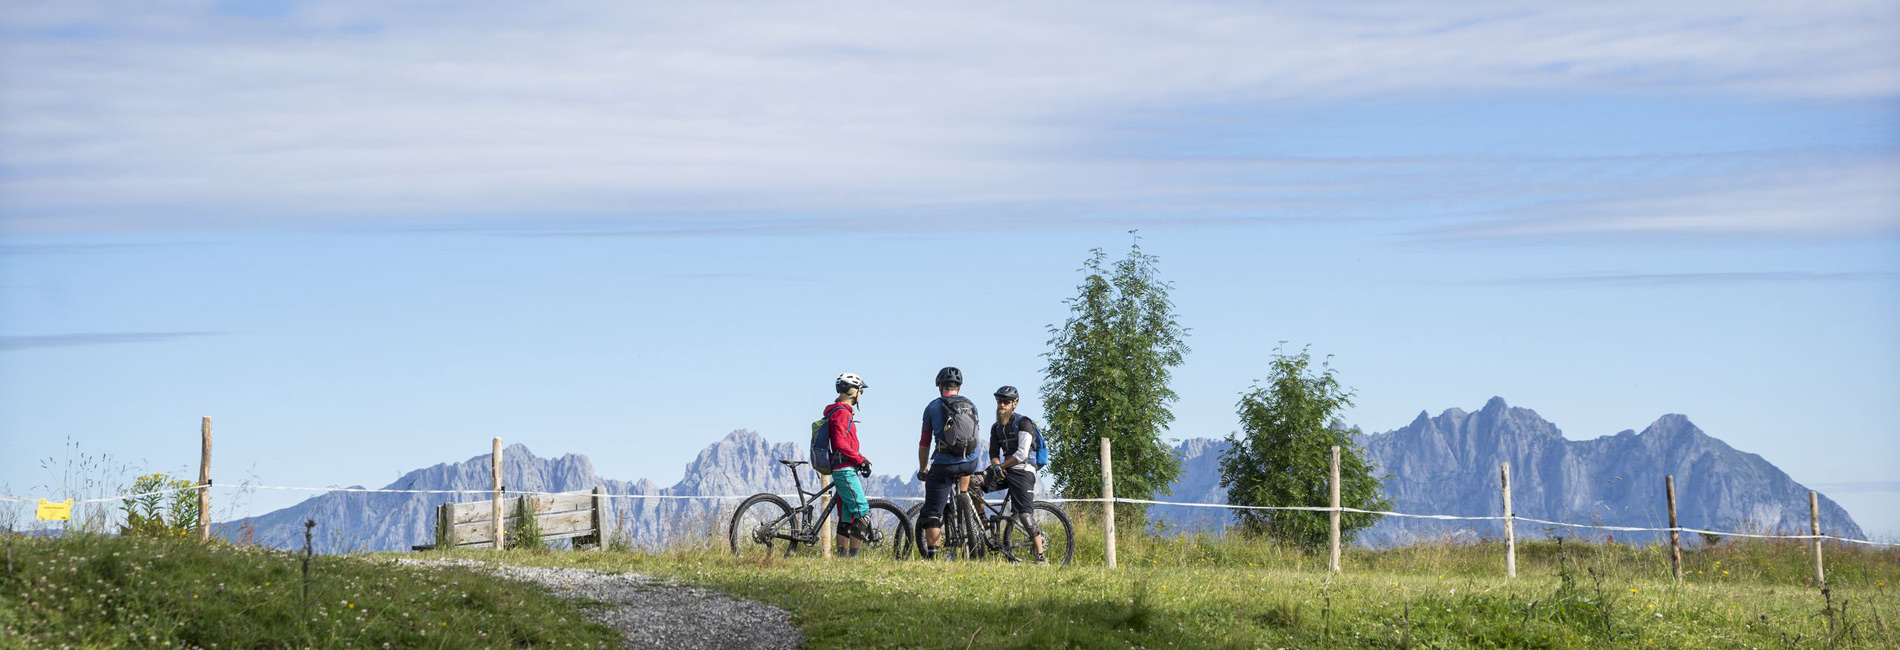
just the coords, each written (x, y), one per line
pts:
(1435, 465)
(742, 463)
(1448, 465)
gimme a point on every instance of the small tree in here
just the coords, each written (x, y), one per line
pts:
(1108, 372)
(1281, 457)
(160, 515)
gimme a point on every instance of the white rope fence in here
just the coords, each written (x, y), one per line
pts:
(1120, 500)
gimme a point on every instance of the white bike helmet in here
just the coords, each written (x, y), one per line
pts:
(848, 380)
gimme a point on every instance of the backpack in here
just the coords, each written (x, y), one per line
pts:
(958, 437)
(1038, 454)
(821, 456)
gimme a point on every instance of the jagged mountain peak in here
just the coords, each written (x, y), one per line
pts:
(1673, 423)
(1494, 405)
(1449, 465)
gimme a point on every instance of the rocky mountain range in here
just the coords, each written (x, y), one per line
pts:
(1449, 465)
(742, 463)
(1436, 465)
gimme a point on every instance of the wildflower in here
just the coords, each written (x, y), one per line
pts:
(1634, 591)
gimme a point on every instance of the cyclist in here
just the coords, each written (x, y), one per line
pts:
(848, 464)
(1012, 464)
(950, 422)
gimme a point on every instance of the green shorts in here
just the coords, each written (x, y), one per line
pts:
(851, 501)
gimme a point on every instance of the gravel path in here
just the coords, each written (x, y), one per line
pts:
(651, 613)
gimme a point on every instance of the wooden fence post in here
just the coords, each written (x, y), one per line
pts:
(1108, 502)
(1814, 528)
(501, 531)
(1335, 513)
(1675, 536)
(601, 504)
(204, 483)
(1510, 532)
(445, 527)
(826, 545)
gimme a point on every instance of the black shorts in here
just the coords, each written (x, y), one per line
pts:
(1022, 493)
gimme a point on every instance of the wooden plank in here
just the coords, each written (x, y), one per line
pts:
(471, 515)
(546, 538)
(551, 525)
(543, 505)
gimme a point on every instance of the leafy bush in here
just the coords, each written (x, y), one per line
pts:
(173, 514)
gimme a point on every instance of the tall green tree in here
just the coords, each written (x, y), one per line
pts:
(1108, 373)
(1281, 457)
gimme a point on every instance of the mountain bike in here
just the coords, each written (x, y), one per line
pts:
(765, 523)
(973, 527)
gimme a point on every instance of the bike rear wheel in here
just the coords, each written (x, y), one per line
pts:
(1058, 536)
(757, 524)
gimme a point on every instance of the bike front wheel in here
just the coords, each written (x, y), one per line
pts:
(759, 524)
(1058, 536)
(890, 531)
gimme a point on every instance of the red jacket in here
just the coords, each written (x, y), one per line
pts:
(844, 435)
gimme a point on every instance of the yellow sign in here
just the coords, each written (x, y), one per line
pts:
(60, 511)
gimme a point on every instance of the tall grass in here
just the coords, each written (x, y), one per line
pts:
(1199, 590)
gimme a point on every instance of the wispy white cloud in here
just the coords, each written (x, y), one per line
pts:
(1853, 200)
(119, 116)
(1696, 279)
(93, 338)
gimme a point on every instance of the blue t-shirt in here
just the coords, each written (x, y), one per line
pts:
(933, 422)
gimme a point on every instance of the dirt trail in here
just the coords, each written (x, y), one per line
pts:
(652, 613)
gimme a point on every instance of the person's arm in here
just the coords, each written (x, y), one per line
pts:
(1025, 438)
(923, 444)
(844, 437)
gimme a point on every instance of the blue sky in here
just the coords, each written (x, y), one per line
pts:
(366, 238)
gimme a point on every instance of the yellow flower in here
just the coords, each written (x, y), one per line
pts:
(353, 605)
(1634, 591)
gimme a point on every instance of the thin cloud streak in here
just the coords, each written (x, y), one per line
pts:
(177, 120)
(12, 343)
(1695, 279)
(1841, 200)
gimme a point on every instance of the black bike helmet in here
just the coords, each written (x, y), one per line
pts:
(1007, 394)
(950, 376)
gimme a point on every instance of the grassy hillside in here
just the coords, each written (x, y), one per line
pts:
(1186, 592)
(95, 591)
(1192, 592)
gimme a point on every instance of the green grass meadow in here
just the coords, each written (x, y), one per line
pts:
(1189, 591)
(97, 591)
(1173, 592)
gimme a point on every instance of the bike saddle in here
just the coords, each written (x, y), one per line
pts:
(793, 463)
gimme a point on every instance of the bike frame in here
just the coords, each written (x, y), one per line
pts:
(804, 527)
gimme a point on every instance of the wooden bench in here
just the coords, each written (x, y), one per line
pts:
(580, 516)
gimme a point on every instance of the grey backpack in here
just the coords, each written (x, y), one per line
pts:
(958, 437)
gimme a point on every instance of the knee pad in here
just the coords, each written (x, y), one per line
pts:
(932, 522)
